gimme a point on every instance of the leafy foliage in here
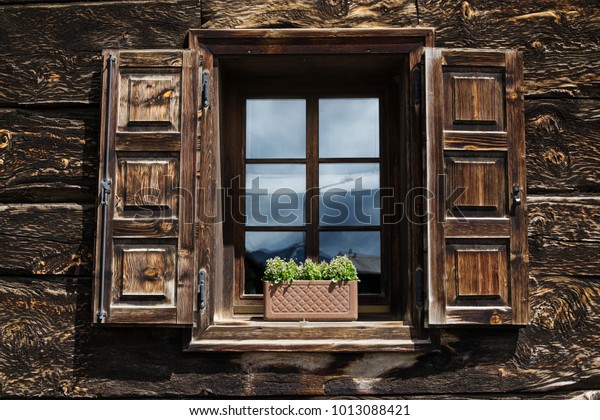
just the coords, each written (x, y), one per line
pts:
(341, 268)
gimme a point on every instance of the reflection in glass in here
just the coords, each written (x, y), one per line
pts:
(260, 246)
(349, 194)
(275, 128)
(349, 127)
(363, 248)
(275, 194)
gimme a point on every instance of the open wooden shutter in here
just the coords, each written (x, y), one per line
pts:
(477, 231)
(145, 239)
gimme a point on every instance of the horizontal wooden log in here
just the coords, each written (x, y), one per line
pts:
(244, 14)
(59, 61)
(39, 322)
(564, 235)
(563, 145)
(48, 155)
(49, 348)
(560, 40)
(46, 238)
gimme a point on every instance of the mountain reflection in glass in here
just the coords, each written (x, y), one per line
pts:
(260, 246)
(275, 194)
(349, 194)
(275, 128)
(363, 248)
(349, 127)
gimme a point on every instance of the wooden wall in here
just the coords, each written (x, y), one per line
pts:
(49, 113)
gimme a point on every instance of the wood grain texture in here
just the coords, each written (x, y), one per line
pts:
(560, 40)
(39, 332)
(564, 235)
(49, 155)
(48, 348)
(48, 64)
(563, 152)
(307, 13)
(46, 238)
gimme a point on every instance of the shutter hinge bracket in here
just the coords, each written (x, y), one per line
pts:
(205, 89)
(202, 289)
(105, 186)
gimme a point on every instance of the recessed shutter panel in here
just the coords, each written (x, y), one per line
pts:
(476, 231)
(145, 241)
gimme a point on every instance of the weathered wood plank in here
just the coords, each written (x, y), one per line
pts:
(564, 235)
(48, 348)
(560, 39)
(307, 13)
(39, 332)
(563, 145)
(46, 238)
(48, 155)
(59, 61)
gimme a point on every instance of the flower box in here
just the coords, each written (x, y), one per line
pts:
(311, 300)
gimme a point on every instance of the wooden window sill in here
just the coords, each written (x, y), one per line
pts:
(358, 336)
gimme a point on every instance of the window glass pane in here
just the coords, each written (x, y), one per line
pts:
(363, 248)
(349, 194)
(260, 246)
(349, 127)
(275, 128)
(275, 194)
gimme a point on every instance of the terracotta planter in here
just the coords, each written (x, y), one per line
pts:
(314, 300)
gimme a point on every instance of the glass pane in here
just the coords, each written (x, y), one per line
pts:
(363, 248)
(349, 194)
(275, 194)
(260, 246)
(275, 128)
(349, 127)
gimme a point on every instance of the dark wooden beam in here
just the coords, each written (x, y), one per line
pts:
(564, 235)
(48, 155)
(560, 40)
(563, 146)
(51, 53)
(50, 239)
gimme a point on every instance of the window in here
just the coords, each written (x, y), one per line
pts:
(312, 172)
(311, 143)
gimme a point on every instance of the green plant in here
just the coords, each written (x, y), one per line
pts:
(278, 270)
(340, 268)
(310, 271)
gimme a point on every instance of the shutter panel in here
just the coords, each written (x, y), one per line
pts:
(145, 265)
(477, 230)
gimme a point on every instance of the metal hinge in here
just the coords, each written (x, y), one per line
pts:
(105, 186)
(201, 289)
(205, 89)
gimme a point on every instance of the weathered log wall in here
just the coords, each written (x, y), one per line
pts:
(49, 94)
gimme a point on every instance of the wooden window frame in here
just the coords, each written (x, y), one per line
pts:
(248, 304)
(225, 332)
